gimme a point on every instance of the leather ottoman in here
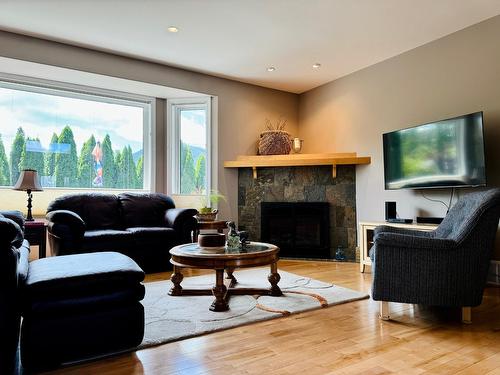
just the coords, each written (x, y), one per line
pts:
(77, 307)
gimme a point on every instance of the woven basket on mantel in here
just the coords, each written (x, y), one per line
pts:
(275, 142)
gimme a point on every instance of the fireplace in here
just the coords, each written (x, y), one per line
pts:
(302, 185)
(299, 229)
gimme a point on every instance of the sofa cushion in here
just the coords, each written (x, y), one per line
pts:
(144, 210)
(98, 211)
(109, 239)
(72, 276)
(153, 234)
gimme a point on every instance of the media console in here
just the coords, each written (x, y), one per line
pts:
(366, 237)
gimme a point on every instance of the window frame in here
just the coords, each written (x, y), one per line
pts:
(174, 107)
(56, 88)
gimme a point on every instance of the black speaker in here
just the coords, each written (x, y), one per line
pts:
(390, 210)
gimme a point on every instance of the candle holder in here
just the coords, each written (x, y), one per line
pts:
(297, 145)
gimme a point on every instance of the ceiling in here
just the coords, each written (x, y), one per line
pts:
(240, 39)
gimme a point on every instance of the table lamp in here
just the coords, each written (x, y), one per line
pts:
(28, 181)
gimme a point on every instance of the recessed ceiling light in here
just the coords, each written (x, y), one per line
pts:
(271, 69)
(172, 29)
(317, 66)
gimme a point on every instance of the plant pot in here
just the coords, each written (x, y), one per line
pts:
(207, 217)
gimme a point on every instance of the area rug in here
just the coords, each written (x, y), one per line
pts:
(171, 318)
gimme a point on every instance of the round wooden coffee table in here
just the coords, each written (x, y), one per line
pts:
(255, 254)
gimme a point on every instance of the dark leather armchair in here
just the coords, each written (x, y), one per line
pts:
(142, 226)
(14, 254)
(446, 267)
(73, 307)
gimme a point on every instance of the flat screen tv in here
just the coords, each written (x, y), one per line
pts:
(442, 154)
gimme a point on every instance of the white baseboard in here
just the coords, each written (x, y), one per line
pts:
(494, 273)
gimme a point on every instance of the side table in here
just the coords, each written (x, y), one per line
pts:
(36, 234)
(218, 225)
(366, 232)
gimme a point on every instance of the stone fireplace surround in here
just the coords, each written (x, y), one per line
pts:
(302, 184)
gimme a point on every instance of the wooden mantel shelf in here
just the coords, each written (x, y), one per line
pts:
(297, 160)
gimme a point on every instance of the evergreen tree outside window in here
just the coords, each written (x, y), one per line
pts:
(15, 155)
(71, 138)
(190, 136)
(4, 166)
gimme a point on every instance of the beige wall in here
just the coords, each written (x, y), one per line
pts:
(454, 75)
(242, 108)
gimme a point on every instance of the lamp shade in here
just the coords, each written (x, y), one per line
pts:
(28, 180)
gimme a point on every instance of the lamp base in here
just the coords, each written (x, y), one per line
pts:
(29, 216)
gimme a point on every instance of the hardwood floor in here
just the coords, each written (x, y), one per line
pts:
(344, 339)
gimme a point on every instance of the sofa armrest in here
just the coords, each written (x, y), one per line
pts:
(15, 216)
(396, 240)
(63, 221)
(182, 221)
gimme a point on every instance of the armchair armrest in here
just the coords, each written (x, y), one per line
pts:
(60, 221)
(15, 216)
(182, 221)
(396, 240)
(397, 230)
(10, 232)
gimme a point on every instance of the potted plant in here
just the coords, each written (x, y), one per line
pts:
(206, 212)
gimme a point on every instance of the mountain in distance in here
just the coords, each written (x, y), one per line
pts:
(197, 151)
(136, 155)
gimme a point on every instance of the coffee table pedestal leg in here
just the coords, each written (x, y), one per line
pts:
(230, 276)
(274, 278)
(219, 291)
(176, 279)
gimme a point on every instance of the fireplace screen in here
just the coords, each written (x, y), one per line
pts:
(300, 230)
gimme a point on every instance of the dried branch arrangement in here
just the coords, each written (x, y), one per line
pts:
(280, 124)
(275, 140)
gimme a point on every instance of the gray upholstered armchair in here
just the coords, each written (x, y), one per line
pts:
(445, 267)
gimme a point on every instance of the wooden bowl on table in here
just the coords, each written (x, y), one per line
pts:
(212, 241)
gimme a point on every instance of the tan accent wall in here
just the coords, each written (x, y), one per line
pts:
(242, 109)
(451, 76)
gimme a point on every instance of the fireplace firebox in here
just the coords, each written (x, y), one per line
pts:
(299, 229)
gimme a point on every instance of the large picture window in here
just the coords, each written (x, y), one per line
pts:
(73, 139)
(191, 146)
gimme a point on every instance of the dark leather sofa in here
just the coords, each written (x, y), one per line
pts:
(142, 226)
(74, 307)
